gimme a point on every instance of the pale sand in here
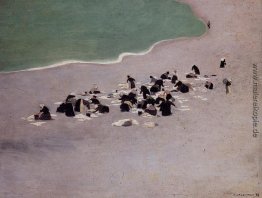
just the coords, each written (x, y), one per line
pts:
(206, 151)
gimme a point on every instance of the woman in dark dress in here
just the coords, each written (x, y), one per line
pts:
(165, 107)
(145, 91)
(195, 69)
(222, 62)
(165, 75)
(131, 82)
(182, 87)
(44, 114)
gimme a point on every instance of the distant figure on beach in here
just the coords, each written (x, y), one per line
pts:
(174, 77)
(209, 85)
(165, 107)
(152, 79)
(94, 100)
(160, 83)
(145, 91)
(131, 82)
(195, 69)
(165, 76)
(182, 87)
(227, 83)
(71, 98)
(102, 109)
(222, 63)
(191, 75)
(126, 106)
(44, 113)
(208, 24)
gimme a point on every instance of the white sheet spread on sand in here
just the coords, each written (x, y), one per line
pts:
(125, 122)
(38, 123)
(123, 85)
(81, 117)
(104, 97)
(32, 120)
(150, 124)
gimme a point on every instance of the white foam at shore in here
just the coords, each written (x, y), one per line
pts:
(103, 62)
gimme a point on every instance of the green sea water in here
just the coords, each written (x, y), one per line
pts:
(35, 33)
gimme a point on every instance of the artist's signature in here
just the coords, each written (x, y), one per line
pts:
(246, 194)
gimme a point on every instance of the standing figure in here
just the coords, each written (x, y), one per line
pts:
(131, 82)
(195, 69)
(222, 63)
(208, 24)
(227, 83)
(174, 77)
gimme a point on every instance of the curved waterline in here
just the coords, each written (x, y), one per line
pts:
(188, 26)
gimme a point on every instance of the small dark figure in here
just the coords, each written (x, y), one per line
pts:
(152, 79)
(77, 105)
(182, 87)
(227, 83)
(69, 111)
(160, 83)
(131, 97)
(102, 109)
(94, 100)
(208, 24)
(150, 100)
(159, 99)
(145, 91)
(165, 75)
(70, 97)
(222, 62)
(169, 96)
(165, 108)
(209, 85)
(44, 114)
(61, 108)
(155, 88)
(191, 75)
(195, 69)
(131, 82)
(174, 79)
(126, 106)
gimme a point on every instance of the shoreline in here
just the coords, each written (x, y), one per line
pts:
(106, 62)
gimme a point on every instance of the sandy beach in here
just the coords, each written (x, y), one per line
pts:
(207, 151)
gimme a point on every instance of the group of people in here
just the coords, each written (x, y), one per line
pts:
(75, 103)
(154, 96)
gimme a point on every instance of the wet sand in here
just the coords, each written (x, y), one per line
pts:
(208, 151)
